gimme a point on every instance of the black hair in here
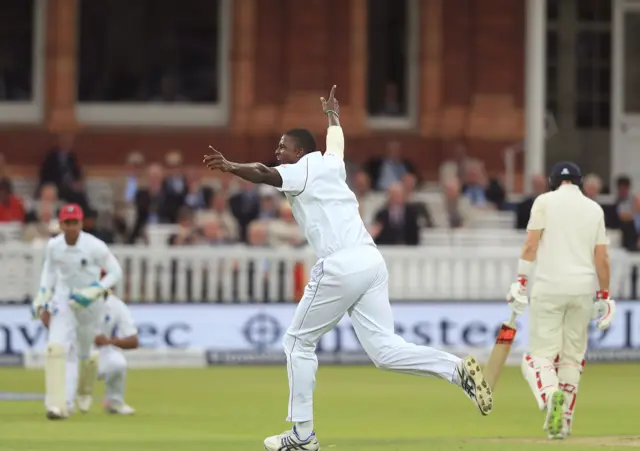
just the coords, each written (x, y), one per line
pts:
(623, 180)
(304, 139)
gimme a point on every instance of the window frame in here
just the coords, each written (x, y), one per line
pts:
(171, 115)
(409, 120)
(31, 112)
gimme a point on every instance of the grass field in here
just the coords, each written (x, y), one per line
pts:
(357, 409)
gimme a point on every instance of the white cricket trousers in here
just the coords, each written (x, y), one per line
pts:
(353, 281)
(68, 326)
(112, 368)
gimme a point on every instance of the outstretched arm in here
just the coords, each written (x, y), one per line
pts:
(252, 172)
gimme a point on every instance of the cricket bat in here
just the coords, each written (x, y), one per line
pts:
(500, 352)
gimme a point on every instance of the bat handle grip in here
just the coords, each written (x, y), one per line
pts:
(512, 320)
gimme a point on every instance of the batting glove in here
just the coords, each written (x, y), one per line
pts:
(604, 310)
(86, 296)
(42, 303)
(517, 296)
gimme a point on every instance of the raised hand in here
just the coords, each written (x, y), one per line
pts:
(216, 161)
(330, 105)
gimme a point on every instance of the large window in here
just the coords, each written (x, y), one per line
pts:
(392, 31)
(153, 61)
(21, 60)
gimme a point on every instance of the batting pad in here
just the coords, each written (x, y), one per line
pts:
(55, 376)
(541, 376)
(87, 374)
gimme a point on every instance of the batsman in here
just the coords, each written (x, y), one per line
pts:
(566, 238)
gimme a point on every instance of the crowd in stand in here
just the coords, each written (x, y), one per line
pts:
(211, 211)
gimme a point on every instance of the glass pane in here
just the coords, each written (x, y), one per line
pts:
(388, 38)
(604, 114)
(585, 82)
(552, 46)
(148, 51)
(584, 114)
(552, 107)
(604, 46)
(604, 82)
(16, 50)
(553, 10)
(631, 62)
(552, 81)
(594, 10)
(586, 45)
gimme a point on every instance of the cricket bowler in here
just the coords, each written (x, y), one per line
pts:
(566, 237)
(349, 277)
(72, 294)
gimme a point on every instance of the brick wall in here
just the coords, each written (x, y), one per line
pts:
(286, 54)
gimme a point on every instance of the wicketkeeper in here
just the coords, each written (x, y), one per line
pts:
(566, 237)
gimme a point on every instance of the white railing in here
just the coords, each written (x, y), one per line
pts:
(242, 274)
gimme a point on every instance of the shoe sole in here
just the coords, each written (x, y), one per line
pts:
(484, 398)
(554, 422)
(267, 449)
(55, 416)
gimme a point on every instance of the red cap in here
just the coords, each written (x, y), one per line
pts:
(71, 211)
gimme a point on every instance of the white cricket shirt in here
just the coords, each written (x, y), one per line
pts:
(322, 203)
(572, 226)
(74, 267)
(118, 321)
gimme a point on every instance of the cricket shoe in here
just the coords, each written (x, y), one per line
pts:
(289, 440)
(55, 413)
(119, 408)
(84, 402)
(472, 381)
(554, 422)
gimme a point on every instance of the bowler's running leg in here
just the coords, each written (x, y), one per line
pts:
(355, 280)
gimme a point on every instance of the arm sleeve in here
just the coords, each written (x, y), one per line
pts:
(335, 142)
(48, 276)
(294, 177)
(538, 218)
(109, 263)
(125, 325)
(601, 237)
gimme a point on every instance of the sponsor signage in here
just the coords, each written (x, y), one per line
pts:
(259, 328)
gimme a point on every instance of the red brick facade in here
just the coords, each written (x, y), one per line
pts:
(471, 82)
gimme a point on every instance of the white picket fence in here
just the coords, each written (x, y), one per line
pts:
(243, 274)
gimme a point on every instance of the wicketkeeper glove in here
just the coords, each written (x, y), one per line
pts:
(517, 296)
(41, 303)
(86, 296)
(604, 310)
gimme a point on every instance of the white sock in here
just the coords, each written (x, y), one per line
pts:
(304, 429)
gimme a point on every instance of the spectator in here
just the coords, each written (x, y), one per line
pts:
(198, 195)
(270, 200)
(361, 187)
(592, 186)
(211, 230)
(392, 106)
(174, 187)
(457, 209)
(410, 182)
(48, 201)
(623, 204)
(90, 225)
(135, 171)
(61, 166)
(228, 223)
(476, 184)
(245, 206)
(389, 170)
(11, 208)
(149, 202)
(284, 231)
(258, 234)
(187, 233)
(397, 222)
(76, 194)
(44, 223)
(523, 210)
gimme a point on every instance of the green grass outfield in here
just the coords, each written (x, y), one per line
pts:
(357, 409)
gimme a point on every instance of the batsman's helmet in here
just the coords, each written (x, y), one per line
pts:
(565, 171)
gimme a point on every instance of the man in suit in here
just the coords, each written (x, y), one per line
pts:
(245, 206)
(61, 166)
(397, 222)
(389, 170)
(174, 187)
(523, 210)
